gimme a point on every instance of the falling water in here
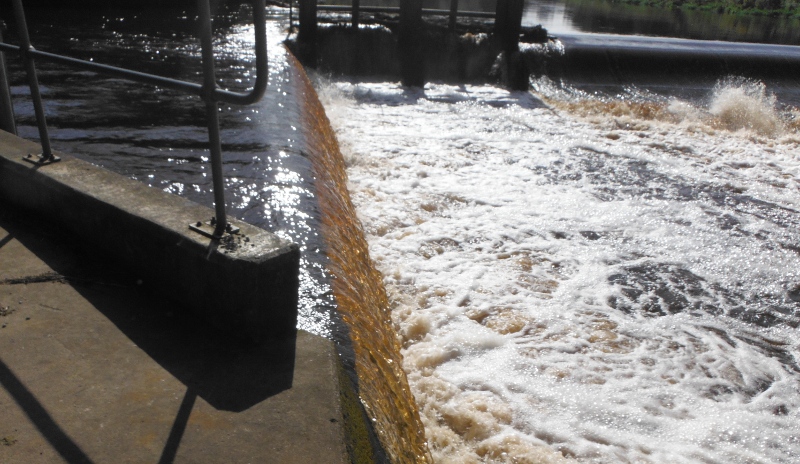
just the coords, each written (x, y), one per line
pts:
(360, 296)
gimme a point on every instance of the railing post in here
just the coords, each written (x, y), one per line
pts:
(410, 40)
(7, 120)
(30, 69)
(453, 14)
(208, 91)
(212, 118)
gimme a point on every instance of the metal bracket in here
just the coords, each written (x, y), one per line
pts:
(41, 160)
(208, 228)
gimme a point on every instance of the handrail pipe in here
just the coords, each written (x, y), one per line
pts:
(33, 81)
(7, 119)
(209, 91)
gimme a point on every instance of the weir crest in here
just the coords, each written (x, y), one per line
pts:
(360, 296)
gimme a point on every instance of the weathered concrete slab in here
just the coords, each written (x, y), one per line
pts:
(93, 368)
(247, 285)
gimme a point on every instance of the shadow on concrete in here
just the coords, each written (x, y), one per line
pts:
(178, 427)
(226, 372)
(39, 416)
(4, 241)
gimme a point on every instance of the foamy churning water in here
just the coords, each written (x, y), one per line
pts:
(576, 278)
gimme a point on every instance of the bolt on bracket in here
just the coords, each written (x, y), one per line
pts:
(208, 228)
(40, 159)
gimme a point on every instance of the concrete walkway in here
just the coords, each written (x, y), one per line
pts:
(96, 368)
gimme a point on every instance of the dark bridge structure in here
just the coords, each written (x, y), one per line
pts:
(411, 33)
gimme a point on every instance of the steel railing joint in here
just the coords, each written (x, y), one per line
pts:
(40, 159)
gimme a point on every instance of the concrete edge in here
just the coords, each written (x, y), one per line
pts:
(247, 285)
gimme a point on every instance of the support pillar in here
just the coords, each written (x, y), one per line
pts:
(453, 14)
(507, 28)
(410, 40)
(307, 35)
(356, 14)
(508, 23)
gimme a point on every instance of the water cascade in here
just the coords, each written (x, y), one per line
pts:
(360, 295)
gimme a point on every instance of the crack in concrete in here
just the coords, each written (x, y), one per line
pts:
(46, 277)
(57, 278)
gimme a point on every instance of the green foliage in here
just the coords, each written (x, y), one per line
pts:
(738, 7)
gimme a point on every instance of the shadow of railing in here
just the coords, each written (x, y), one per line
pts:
(37, 413)
(226, 372)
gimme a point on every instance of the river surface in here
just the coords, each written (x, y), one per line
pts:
(604, 16)
(579, 273)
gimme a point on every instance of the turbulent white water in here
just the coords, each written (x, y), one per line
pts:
(578, 278)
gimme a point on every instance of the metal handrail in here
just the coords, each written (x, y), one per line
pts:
(209, 91)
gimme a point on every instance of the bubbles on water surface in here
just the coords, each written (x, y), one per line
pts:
(615, 281)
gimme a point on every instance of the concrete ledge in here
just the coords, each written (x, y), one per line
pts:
(95, 369)
(246, 286)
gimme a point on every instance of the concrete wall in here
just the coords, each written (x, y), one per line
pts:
(245, 284)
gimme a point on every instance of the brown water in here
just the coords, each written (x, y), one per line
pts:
(360, 295)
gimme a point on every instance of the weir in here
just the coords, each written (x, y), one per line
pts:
(487, 49)
(360, 296)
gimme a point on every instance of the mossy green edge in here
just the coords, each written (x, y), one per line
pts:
(357, 438)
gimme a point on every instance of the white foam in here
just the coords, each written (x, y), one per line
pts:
(526, 251)
(743, 104)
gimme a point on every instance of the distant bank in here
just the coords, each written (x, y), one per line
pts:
(789, 8)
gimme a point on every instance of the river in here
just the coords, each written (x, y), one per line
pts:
(579, 273)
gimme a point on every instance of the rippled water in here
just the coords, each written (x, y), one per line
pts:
(608, 16)
(587, 277)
